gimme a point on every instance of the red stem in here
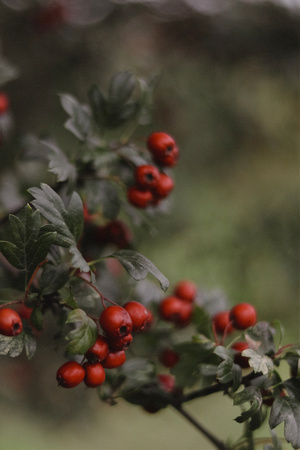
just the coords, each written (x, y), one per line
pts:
(32, 278)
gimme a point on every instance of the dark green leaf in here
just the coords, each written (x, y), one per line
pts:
(84, 335)
(292, 385)
(53, 278)
(138, 369)
(138, 266)
(253, 396)
(263, 333)
(287, 410)
(98, 105)
(202, 321)
(12, 253)
(224, 353)
(37, 319)
(121, 87)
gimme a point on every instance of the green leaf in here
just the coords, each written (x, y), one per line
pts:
(68, 222)
(121, 87)
(29, 245)
(37, 319)
(253, 396)
(224, 353)
(80, 120)
(11, 346)
(7, 71)
(29, 345)
(68, 298)
(53, 278)
(263, 334)
(202, 321)
(287, 410)
(138, 266)
(259, 363)
(84, 335)
(59, 164)
(138, 369)
(98, 105)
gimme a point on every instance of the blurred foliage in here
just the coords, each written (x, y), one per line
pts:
(229, 93)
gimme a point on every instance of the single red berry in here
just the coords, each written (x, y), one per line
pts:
(166, 381)
(10, 322)
(168, 357)
(122, 343)
(139, 198)
(114, 359)
(175, 310)
(164, 186)
(163, 149)
(139, 315)
(4, 103)
(242, 316)
(186, 290)
(239, 347)
(146, 176)
(70, 374)
(99, 350)
(94, 374)
(221, 322)
(118, 233)
(115, 321)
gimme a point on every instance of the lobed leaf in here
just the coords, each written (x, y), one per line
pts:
(259, 363)
(287, 410)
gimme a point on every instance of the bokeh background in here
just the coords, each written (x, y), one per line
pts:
(229, 94)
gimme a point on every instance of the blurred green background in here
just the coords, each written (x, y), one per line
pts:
(229, 94)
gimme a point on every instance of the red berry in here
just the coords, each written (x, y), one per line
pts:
(239, 347)
(139, 315)
(118, 233)
(70, 374)
(114, 359)
(4, 103)
(164, 186)
(139, 198)
(242, 316)
(172, 309)
(221, 322)
(168, 357)
(122, 343)
(186, 290)
(166, 381)
(94, 374)
(10, 322)
(115, 321)
(146, 176)
(99, 350)
(163, 149)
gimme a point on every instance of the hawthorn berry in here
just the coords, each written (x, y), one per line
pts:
(164, 186)
(118, 233)
(166, 381)
(186, 290)
(175, 310)
(139, 198)
(146, 176)
(70, 374)
(121, 343)
(239, 347)
(4, 102)
(99, 350)
(163, 149)
(115, 321)
(114, 359)
(221, 322)
(242, 316)
(139, 315)
(168, 357)
(94, 374)
(10, 322)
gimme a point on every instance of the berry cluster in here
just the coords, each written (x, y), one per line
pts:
(178, 308)
(108, 351)
(152, 184)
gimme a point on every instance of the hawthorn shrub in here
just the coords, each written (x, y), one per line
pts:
(61, 247)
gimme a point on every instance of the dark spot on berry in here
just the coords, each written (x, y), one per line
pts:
(123, 330)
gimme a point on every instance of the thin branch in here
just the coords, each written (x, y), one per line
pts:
(211, 437)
